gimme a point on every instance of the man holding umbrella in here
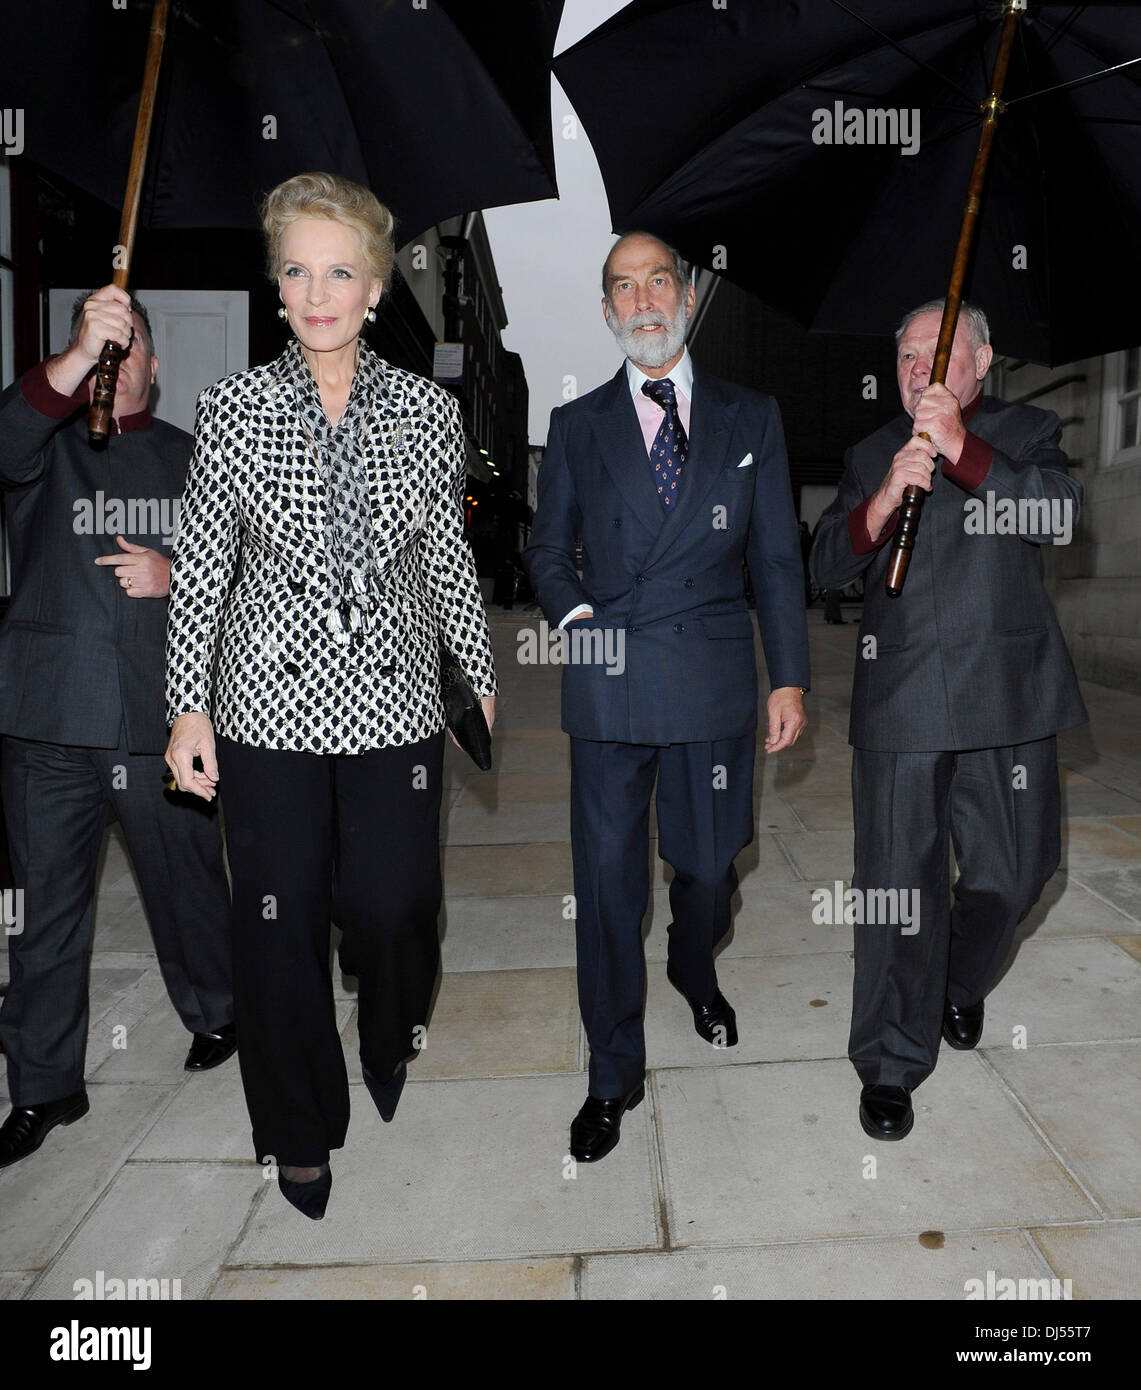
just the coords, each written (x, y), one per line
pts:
(81, 714)
(671, 478)
(962, 682)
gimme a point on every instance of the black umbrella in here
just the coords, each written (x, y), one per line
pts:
(717, 129)
(440, 109)
(426, 103)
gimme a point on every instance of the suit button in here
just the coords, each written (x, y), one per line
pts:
(679, 627)
(291, 668)
(617, 521)
(631, 629)
(688, 583)
(641, 579)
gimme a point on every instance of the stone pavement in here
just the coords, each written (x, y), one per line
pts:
(745, 1174)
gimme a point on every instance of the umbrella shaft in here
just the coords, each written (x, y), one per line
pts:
(913, 497)
(107, 374)
(130, 217)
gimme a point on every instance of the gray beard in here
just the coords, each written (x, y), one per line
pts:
(654, 351)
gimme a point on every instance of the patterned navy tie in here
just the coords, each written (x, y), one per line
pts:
(670, 447)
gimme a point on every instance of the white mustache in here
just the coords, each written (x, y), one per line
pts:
(644, 321)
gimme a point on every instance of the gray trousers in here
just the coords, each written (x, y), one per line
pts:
(1001, 809)
(55, 804)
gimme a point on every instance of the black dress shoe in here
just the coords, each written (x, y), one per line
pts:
(211, 1049)
(716, 1022)
(595, 1130)
(23, 1131)
(963, 1027)
(386, 1095)
(310, 1198)
(885, 1111)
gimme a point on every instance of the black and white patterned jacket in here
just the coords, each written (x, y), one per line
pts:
(247, 642)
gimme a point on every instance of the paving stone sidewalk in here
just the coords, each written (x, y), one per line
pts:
(745, 1175)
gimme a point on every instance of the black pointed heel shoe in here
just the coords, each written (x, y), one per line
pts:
(386, 1095)
(310, 1198)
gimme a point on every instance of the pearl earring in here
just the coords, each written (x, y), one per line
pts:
(370, 315)
(282, 313)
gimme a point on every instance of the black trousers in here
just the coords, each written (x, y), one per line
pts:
(705, 819)
(311, 838)
(55, 805)
(1001, 809)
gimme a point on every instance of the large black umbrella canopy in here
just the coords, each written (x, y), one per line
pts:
(440, 110)
(703, 121)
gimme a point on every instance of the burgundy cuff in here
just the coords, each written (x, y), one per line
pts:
(858, 533)
(973, 465)
(41, 395)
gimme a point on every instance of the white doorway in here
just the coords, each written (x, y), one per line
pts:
(200, 336)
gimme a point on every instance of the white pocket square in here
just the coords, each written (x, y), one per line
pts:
(745, 461)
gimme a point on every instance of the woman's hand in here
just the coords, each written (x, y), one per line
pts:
(487, 703)
(192, 736)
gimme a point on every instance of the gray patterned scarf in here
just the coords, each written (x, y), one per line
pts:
(353, 583)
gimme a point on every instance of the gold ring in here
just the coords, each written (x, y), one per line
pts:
(129, 582)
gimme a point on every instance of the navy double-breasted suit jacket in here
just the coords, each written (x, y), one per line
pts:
(670, 582)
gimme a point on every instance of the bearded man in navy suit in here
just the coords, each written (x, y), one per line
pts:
(671, 479)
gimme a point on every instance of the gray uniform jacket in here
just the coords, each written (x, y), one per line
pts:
(77, 655)
(970, 655)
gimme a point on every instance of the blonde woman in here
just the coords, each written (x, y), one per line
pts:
(320, 559)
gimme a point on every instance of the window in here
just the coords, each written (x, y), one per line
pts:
(1121, 408)
(1128, 400)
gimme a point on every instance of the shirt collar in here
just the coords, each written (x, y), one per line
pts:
(681, 375)
(141, 420)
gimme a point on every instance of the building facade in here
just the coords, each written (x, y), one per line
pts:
(1096, 579)
(832, 389)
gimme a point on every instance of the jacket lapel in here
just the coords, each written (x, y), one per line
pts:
(623, 452)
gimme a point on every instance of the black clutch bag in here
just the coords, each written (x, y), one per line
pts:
(464, 711)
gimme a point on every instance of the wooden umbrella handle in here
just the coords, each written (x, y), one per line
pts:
(102, 406)
(903, 542)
